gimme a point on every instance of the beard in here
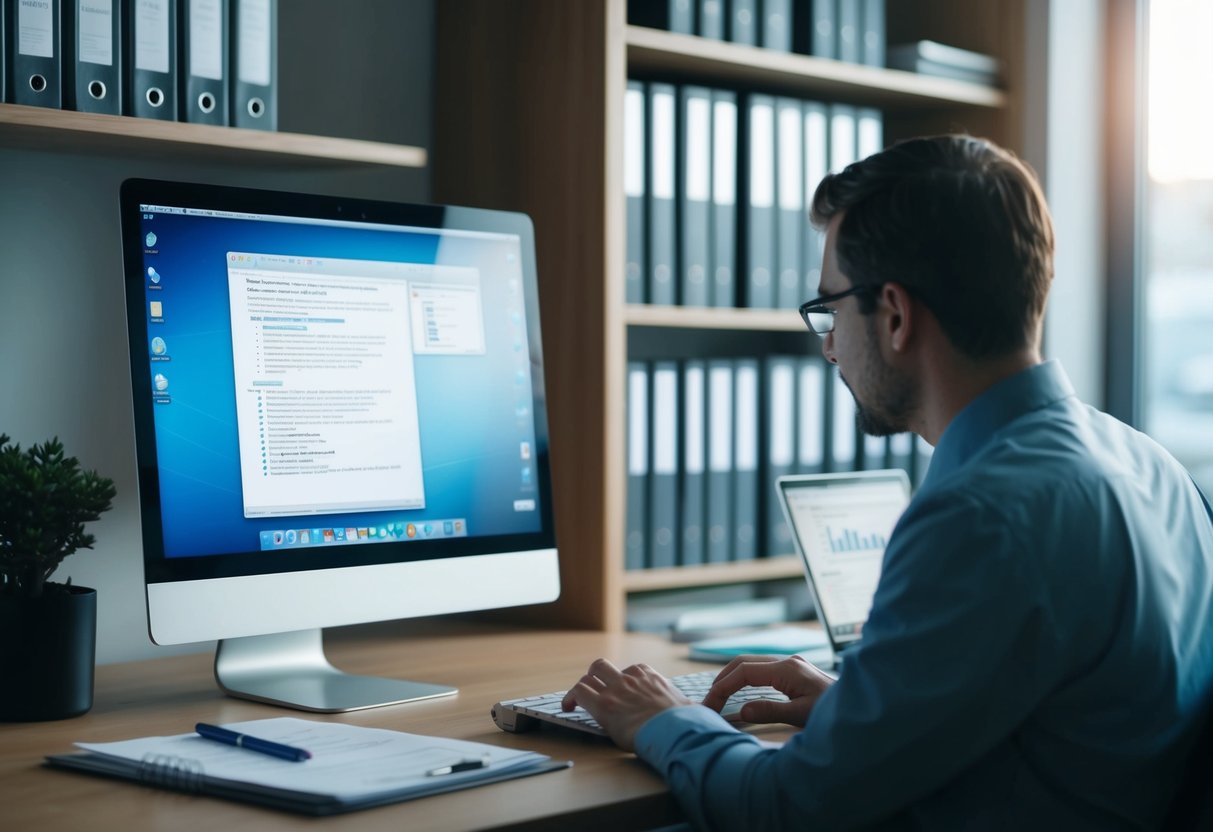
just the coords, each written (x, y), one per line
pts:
(890, 401)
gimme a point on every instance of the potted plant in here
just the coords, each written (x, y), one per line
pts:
(47, 630)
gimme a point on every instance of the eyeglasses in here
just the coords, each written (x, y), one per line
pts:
(819, 318)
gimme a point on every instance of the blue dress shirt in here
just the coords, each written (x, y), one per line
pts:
(1037, 654)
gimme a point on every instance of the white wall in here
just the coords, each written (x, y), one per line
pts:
(1064, 142)
(63, 358)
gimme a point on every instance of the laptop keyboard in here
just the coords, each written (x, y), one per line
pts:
(530, 712)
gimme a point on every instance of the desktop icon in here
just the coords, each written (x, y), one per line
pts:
(160, 382)
(158, 346)
(526, 475)
(153, 275)
(458, 527)
(383, 533)
(329, 535)
(305, 536)
(150, 239)
(448, 527)
(410, 530)
(373, 531)
(362, 533)
(156, 309)
(339, 534)
(428, 528)
(524, 450)
(277, 538)
(351, 534)
(318, 535)
(292, 537)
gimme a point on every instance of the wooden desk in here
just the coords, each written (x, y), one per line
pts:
(605, 789)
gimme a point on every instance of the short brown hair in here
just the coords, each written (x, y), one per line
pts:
(958, 221)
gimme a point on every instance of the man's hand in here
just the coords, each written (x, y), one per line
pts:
(623, 700)
(800, 681)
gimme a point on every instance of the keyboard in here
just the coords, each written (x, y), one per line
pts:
(530, 712)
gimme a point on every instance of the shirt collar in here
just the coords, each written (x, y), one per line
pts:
(1032, 389)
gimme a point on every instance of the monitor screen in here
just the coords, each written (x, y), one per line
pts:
(337, 389)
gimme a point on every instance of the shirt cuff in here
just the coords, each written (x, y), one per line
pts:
(657, 737)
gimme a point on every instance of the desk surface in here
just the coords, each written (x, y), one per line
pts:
(605, 789)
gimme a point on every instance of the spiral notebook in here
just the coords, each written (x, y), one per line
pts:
(351, 767)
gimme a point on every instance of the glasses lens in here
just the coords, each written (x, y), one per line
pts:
(820, 321)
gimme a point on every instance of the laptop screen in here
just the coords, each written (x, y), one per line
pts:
(841, 524)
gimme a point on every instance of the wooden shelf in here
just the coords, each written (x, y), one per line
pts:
(687, 57)
(38, 128)
(693, 317)
(765, 569)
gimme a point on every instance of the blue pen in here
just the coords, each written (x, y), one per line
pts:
(274, 749)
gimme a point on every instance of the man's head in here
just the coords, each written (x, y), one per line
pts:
(961, 224)
(949, 226)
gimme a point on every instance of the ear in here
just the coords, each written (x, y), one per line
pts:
(897, 315)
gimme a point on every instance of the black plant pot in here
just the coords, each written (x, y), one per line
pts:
(47, 652)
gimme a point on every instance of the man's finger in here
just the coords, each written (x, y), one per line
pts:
(585, 693)
(605, 671)
(762, 711)
(757, 673)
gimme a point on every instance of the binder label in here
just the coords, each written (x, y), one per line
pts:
(783, 440)
(724, 139)
(253, 51)
(665, 422)
(35, 29)
(810, 429)
(663, 145)
(638, 414)
(789, 158)
(206, 39)
(747, 418)
(720, 392)
(762, 165)
(95, 19)
(693, 461)
(699, 114)
(633, 142)
(151, 35)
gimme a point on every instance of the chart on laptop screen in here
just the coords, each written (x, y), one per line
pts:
(843, 529)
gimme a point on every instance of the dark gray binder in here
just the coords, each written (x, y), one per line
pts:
(842, 136)
(92, 56)
(810, 416)
(710, 23)
(720, 462)
(872, 48)
(743, 22)
(869, 132)
(35, 56)
(816, 166)
(203, 69)
(671, 15)
(253, 73)
(843, 433)
(635, 541)
(789, 191)
(692, 465)
(776, 30)
(634, 189)
(813, 32)
(875, 452)
(150, 56)
(901, 451)
(745, 459)
(661, 194)
(724, 199)
(664, 529)
(780, 457)
(849, 34)
(694, 193)
(759, 240)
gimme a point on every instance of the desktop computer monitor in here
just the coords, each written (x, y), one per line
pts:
(339, 418)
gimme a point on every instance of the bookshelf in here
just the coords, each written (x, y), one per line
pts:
(535, 124)
(65, 131)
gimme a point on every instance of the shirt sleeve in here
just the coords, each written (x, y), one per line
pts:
(955, 655)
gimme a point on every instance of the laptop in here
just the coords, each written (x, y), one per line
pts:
(841, 524)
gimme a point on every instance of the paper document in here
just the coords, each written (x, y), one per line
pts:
(775, 641)
(348, 763)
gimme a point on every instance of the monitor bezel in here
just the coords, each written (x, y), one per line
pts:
(161, 569)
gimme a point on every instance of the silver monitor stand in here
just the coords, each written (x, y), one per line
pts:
(290, 669)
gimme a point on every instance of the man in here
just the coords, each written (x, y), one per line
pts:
(1039, 650)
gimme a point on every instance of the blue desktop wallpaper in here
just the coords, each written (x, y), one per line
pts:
(474, 411)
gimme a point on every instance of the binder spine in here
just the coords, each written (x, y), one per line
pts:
(849, 33)
(663, 487)
(724, 199)
(816, 166)
(4, 51)
(790, 188)
(661, 194)
(760, 210)
(692, 466)
(743, 22)
(34, 53)
(635, 555)
(633, 186)
(711, 19)
(874, 37)
(745, 460)
(777, 25)
(203, 39)
(695, 194)
(150, 52)
(92, 56)
(253, 73)
(169, 772)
